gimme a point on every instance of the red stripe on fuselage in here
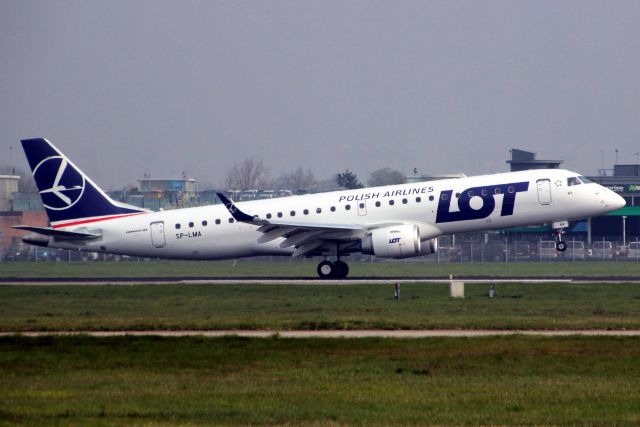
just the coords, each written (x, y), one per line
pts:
(87, 221)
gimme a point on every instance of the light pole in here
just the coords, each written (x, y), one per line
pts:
(624, 230)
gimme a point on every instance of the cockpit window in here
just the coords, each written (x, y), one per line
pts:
(573, 181)
(585, 179)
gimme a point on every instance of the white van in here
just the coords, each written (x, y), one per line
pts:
(547, 249)
(602, 249)
(633, 252)
(575, 250)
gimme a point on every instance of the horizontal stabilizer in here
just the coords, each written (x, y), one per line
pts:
(45, 231)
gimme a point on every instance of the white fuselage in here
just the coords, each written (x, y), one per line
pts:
(209, 232)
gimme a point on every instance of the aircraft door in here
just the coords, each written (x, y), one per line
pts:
(157, 234)
(544, 191)
(362, 208)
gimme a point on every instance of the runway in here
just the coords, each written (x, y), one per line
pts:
(408, 334)
(128, 281)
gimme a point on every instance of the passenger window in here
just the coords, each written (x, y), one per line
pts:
(306, 211)
(177, 226)
(510, 189)
(218, 221)
(457, 195)
(318, 210)
(404, 201)
(230, 220)
(418, 199)
(292, 213)
(470, 194)
(484, 192)
(190, 225)
(377, 204)
(333, 208)
(279, 214)
(444, 196)
(391, 202)
(361, 205)
(268, 216)
(347, 207)
(204, 223)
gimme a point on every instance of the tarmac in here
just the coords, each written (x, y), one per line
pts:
(128, 281)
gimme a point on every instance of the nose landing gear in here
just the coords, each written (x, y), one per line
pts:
(333, 270)
(558, 230)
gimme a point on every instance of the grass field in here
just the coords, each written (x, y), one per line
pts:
(307, 268)
(187, 381)
(277, 307)
(519, 380)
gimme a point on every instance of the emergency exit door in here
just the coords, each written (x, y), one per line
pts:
(157, 234)
(544, 191)
(362, 208)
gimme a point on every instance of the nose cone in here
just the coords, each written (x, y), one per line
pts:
(615, 201)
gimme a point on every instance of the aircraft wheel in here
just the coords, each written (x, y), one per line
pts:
(342, 269)
(327, 270)
(561, 246)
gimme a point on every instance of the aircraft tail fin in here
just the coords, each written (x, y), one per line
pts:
(68, 195)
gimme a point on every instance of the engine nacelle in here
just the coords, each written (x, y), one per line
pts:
(402, 241)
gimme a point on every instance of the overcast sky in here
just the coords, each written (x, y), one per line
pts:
(128, 87)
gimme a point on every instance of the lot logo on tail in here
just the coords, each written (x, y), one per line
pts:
(485, 195)
(60, 185)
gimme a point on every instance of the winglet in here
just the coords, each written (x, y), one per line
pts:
(236, 213)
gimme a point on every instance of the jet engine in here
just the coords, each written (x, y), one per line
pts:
(428, 247)
(402, 241)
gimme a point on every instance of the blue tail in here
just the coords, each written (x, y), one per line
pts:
(67, 193)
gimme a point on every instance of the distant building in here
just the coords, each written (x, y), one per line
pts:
(522, 160)
(8, 187)
(185, 185)
(160, 193)
(10, 216)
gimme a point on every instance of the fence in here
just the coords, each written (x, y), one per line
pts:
(449, 251)
(541, 250)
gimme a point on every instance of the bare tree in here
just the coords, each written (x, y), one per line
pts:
(248, 174)
(297, 180)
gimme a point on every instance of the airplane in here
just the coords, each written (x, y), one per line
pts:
(396, 221)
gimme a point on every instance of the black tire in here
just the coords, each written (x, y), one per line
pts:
(342, 269)
(561, 246)
(326, 270)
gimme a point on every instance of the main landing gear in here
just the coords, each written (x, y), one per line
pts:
(558, 229)
(333, 270)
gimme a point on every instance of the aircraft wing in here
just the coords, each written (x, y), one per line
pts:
(305, 237)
